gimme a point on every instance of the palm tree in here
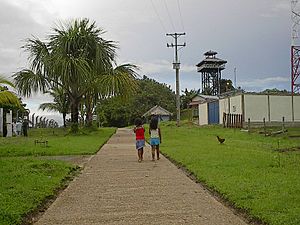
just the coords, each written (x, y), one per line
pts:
(60, 103)
(75, 58)
(6, 96)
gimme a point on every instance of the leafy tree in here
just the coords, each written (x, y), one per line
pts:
(60, 103)
(187, 97)
(226, 85)
(77, 59)
(7, 97)
(274, 91)
(117, 112)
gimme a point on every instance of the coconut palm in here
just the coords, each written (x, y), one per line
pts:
(60, 103)
(75, 58)
(6, 96)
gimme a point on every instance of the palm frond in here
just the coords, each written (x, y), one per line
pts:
(7, 97)
(26, 82)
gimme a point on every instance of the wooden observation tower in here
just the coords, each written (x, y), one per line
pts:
(211, 68)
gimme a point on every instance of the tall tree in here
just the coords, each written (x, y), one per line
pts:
(75, 58)
(60, 103)
(7, 97)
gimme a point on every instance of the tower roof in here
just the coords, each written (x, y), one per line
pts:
(211, 62)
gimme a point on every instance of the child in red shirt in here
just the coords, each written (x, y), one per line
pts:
(139, 131)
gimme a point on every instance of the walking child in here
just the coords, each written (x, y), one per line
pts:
(155, 137)
(139, 131)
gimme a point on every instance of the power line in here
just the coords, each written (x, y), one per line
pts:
(169, 15)
(160, 21)
(180, 15)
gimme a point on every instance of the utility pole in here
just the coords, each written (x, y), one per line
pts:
(176, 66)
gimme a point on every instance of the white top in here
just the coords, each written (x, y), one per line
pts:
(154, 133)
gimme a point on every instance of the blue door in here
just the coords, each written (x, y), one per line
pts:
(213, 112)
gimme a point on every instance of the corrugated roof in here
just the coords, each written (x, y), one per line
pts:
(157, 110)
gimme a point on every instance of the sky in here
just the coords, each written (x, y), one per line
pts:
(252, 36)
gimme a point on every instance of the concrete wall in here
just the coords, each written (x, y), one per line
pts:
(297, 108)
(203, 116)
(236, 104)
(223, 108)
(256, 108)
(280, 106)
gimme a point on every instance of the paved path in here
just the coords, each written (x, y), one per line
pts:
(115, 189)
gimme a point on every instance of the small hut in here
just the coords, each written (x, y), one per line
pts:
(161, 113)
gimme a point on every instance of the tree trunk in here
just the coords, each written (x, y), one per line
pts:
(74, 115)
(64, 119)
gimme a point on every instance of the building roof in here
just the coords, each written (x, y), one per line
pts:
(199, 99)
(211, 62)
(157, 110)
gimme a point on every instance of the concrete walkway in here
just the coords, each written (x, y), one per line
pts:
(115, 189)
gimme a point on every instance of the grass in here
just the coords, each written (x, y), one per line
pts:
(26, 180)
(59, 143)
(249, 170)
(25, 183)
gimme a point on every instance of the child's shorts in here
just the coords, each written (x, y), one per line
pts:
(154, 141)
(139, 144)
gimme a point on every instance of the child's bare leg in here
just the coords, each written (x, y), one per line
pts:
(142, 154)
(153, 152)
(157, 152)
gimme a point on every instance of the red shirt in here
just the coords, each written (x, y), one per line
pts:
(139, 133)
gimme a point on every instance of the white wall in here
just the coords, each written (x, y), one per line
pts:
(236, 104)
(256, 108)
(223, 108)
(297, 108)
(280, 106)
(203, 117)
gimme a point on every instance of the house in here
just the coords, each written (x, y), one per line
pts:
(256, 108)
(163, 114)
(198, 100)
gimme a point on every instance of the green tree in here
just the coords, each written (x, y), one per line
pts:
(7, 97)
(117, 112)
(187, 97)
(226, 85)
(77, 59)
(60, 103)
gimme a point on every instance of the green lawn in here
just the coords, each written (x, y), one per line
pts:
(59, 143)
(26, 181)
(248, 170)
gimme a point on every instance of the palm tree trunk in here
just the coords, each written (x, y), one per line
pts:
(74, 114)
(64, 119)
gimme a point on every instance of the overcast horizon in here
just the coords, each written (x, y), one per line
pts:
(252, 36)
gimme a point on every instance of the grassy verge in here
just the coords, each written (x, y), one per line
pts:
(59, 143)
(249, 170)
(26, 181)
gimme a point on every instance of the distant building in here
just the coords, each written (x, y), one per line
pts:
(249, 106)
(161, 113)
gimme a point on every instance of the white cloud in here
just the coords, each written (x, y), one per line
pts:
(264, 83)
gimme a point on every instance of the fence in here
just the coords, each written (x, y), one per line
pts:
(232, 120)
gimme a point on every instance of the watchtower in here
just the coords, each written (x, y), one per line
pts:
(211, 68)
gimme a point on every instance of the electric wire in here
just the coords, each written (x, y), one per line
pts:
(180, 15)
(160, 21)
(169, 15)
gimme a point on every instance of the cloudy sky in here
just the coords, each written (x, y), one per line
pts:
(253, 36)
